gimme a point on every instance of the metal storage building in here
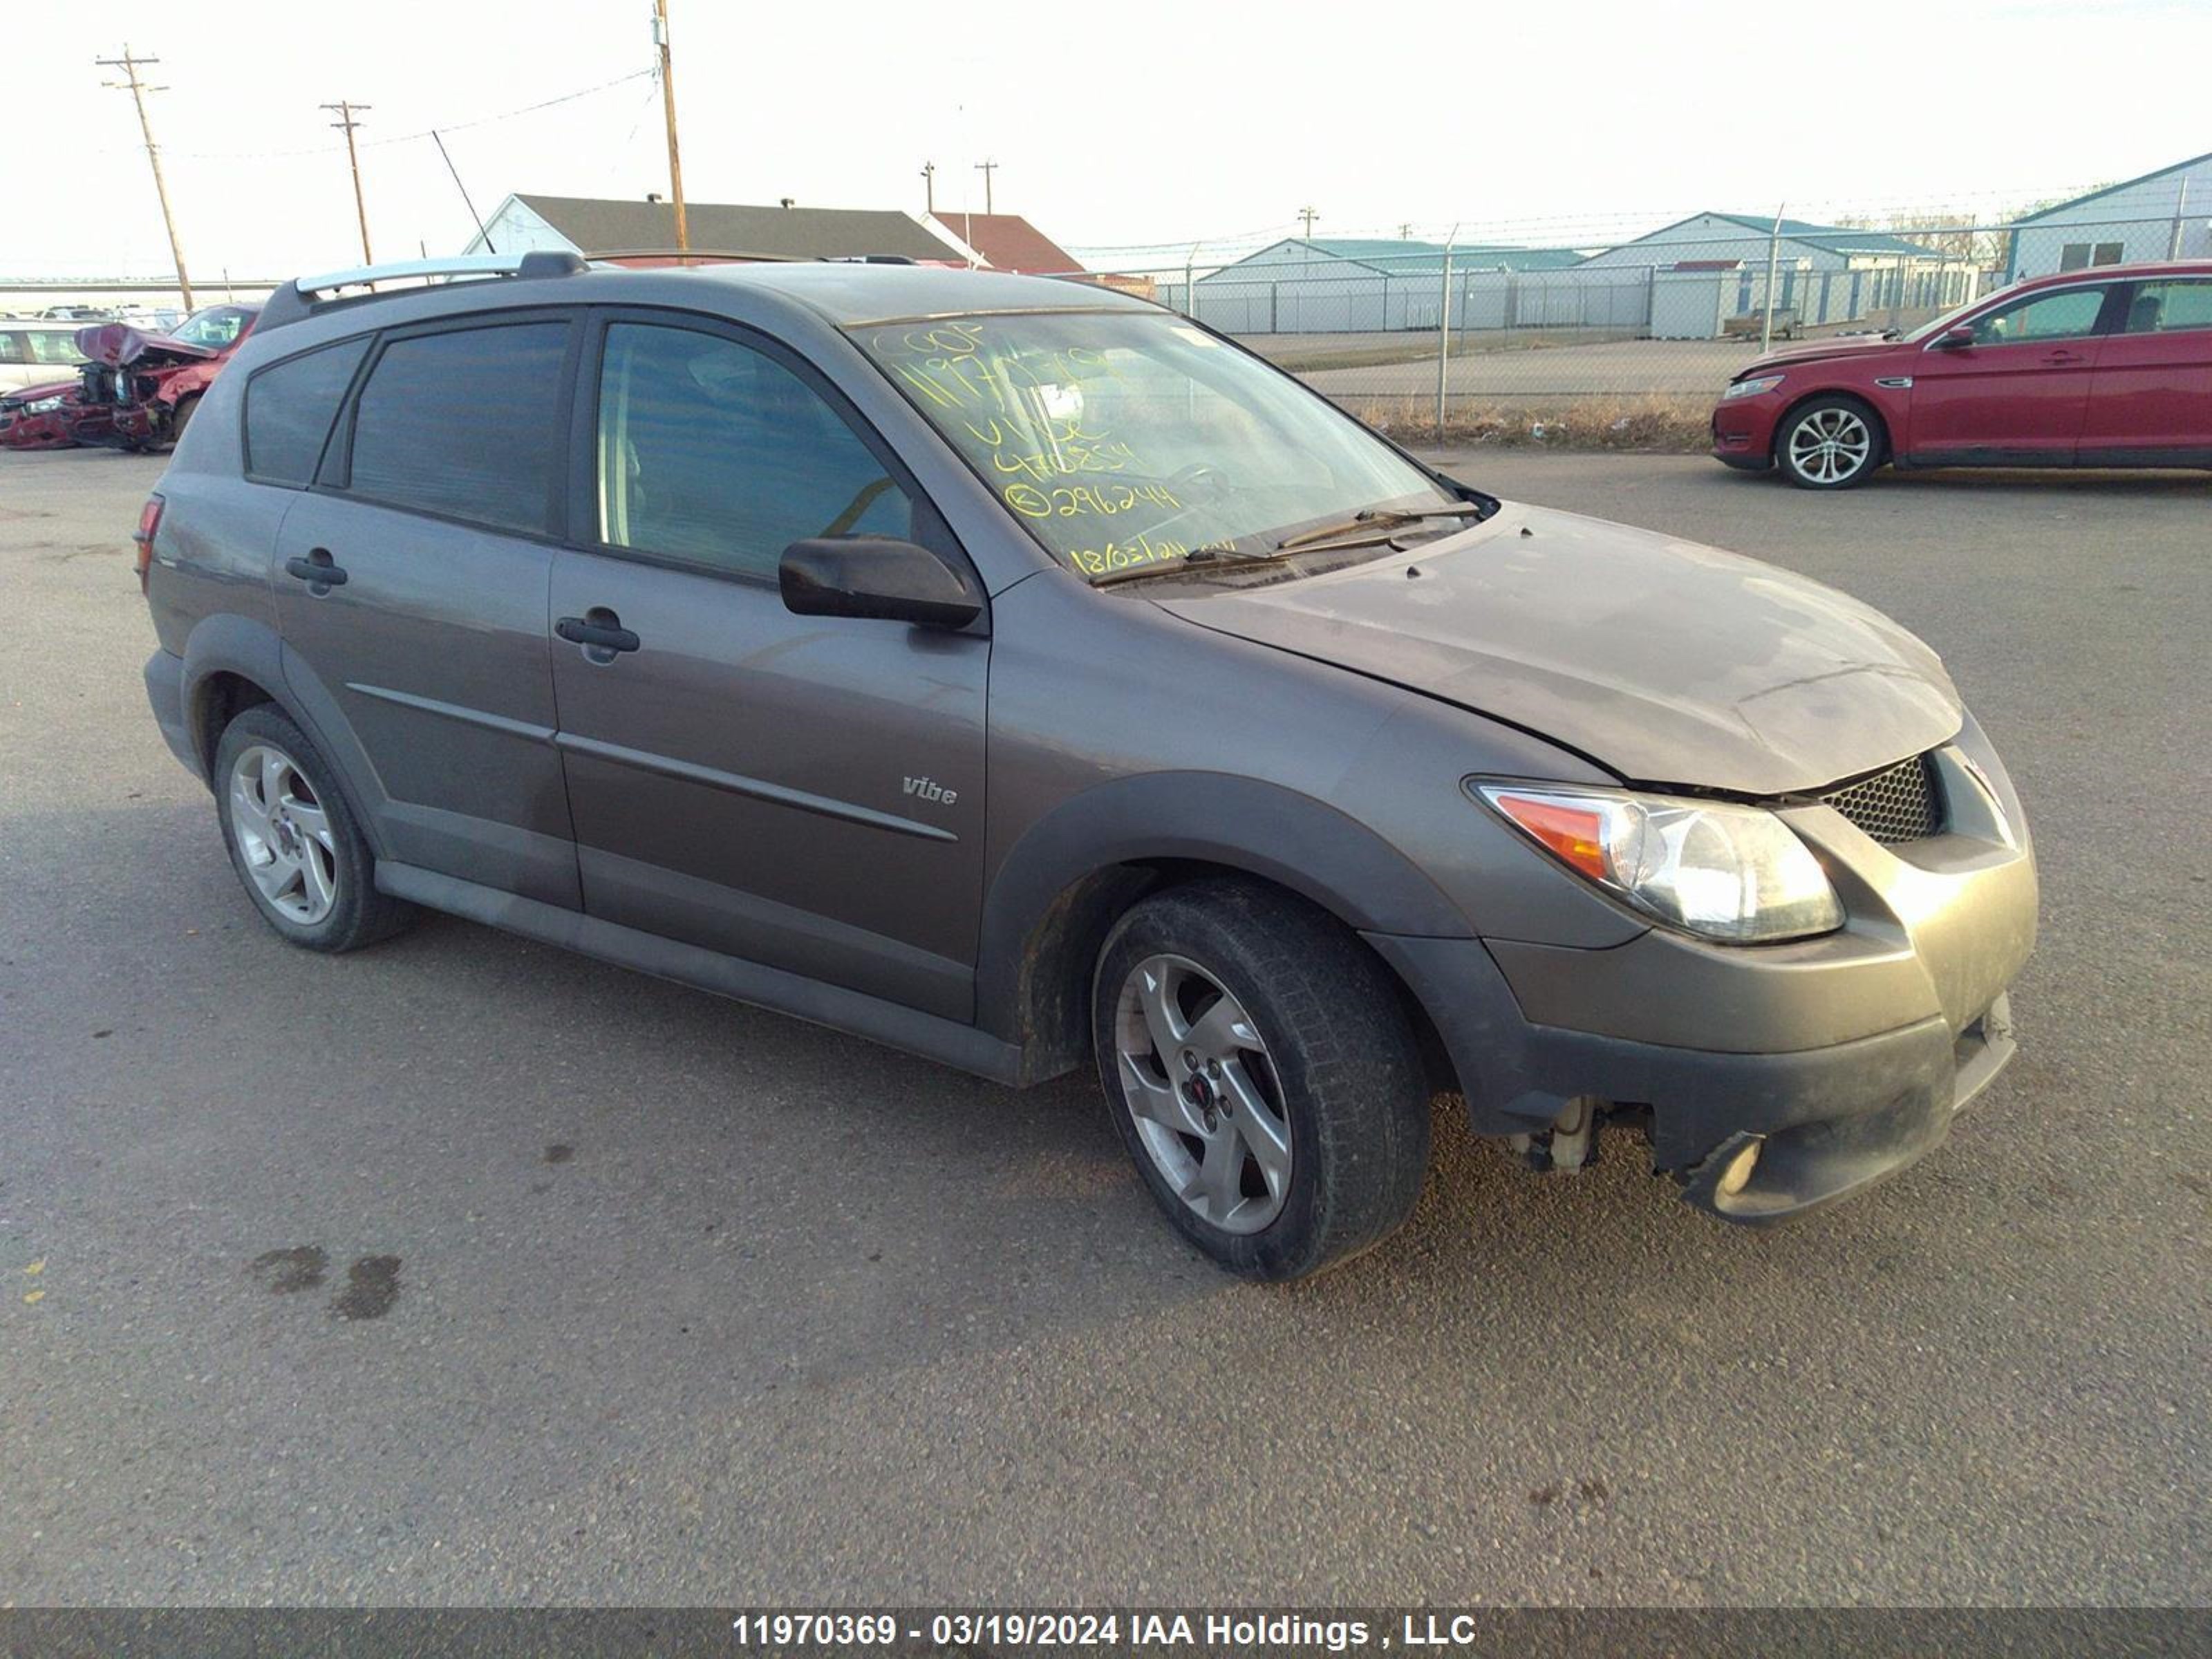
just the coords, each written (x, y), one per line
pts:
(1825, 273)
(2166, 215)
(1338, 285)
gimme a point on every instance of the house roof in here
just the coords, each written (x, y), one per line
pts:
(1400, 257)
(596, 225)
(1009, 242)
(1833, 239)
(2109, 190)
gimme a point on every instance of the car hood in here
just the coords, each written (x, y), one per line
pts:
(1817, 351)
(119, 343)
(1667, 663)
(31, 394)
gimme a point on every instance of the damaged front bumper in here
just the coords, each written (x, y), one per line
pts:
(1778, 1078)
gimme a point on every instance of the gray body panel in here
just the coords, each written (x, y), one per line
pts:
(1671, 663)
(730, 805)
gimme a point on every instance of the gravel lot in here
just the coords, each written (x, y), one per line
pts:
(1618, 367)
(657, 1298)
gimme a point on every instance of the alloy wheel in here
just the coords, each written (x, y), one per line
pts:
(1204, 1096)
(1830, 445)
(282, 834)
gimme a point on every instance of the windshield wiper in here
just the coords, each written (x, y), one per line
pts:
(1379, 524)
(1376, 519)
(1170, 567)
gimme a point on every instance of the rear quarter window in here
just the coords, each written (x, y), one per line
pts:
(290, 407)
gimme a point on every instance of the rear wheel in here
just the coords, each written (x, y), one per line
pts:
(1830, 443)
(293, 840)
(1263, 1076)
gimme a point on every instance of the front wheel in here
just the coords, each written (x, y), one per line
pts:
(1831, 443)
(1263, 1076)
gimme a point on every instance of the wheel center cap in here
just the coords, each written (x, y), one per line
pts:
(1199, 1092)
(288, 836)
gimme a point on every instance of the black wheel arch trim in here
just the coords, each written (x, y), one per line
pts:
(1053, 895)
(226, 643)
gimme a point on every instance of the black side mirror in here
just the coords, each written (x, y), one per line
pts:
(878, 577)
(1954, 339)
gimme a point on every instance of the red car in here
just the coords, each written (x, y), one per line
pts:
(50, 417)
(148, 384)
(2109, 366)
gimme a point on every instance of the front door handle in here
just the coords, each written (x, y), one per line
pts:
(2060, 357)
(599, 631)
(317, 570)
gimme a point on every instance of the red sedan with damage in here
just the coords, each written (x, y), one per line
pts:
(148, 384)
(2107, 366)
(50, 418)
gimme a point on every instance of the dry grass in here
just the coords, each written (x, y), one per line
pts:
(1651, 421)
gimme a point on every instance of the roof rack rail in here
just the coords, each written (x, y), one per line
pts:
(714, 255)
(295, 300)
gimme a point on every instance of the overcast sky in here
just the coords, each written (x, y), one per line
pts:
(1133, 126)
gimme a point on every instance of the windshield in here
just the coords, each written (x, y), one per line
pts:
(218, 325)
(1122, 440)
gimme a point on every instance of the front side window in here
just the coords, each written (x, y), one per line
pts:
(290, 407)
(465, 424)
(2066, 315)
(1125, 439)
(711, 452)
(11, 349)
(2169, 307)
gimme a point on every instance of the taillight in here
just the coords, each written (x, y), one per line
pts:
(149, 525)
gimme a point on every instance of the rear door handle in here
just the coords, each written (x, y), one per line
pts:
(317, 570)
(599, 631)
(2067, 357)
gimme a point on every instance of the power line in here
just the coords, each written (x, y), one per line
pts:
(409, 138)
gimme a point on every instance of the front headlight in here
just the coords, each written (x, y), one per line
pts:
(1750, 388)
(43, 406)
(1720, 871)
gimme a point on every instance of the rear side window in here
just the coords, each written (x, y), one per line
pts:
(464, 424)
(2170, 307)
(54, 346)
(290, 407)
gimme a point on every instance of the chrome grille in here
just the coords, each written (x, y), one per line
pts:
(1904, 804)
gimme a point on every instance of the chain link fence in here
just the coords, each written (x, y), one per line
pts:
(1629, 345)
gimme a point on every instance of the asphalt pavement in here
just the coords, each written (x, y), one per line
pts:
(465, 1271)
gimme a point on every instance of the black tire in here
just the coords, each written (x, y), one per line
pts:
(182, 419)
(1340, 1064)
(356, 914)
(1830, 443)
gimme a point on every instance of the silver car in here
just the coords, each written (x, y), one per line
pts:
(1019, 674)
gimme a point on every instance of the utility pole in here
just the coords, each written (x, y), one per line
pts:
(1309, 216)
(130, 65)
(1404, 232)
(345, 122)
(668, 107)
(929, 188)
(987, 169)
(2181, 212)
